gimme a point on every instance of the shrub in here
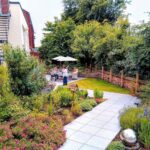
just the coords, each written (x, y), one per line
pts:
(65, 97)
(5, 133)
(68, 116)
(92, 102)
(36, 133)
(35, 102)
(56, 98)
(50, 109)
(11, 109)
(76, 109)
(86, 106)
(145, 94)
(82, 93)
(116, 145)
(4, 81)
(25, 71)
(98, 94)
(144, 133)
(130, 118)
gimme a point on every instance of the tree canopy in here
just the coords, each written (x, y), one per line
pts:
(57, 39)
(99, 34)
(100, 10)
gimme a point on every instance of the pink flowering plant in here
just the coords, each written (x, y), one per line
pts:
(38, 133)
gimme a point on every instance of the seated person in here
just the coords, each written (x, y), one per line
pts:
(54, 73)
(75, 73)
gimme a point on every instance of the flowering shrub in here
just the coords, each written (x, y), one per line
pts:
(5, 133)
(37, 133)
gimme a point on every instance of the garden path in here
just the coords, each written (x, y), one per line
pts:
(96, 129)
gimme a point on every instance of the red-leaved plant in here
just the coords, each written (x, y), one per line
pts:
(35, 133)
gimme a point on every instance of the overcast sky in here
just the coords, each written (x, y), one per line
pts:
(45, 10)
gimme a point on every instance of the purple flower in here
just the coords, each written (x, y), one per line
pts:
(145, 112)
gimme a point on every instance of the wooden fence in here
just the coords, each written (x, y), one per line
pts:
(120, 79)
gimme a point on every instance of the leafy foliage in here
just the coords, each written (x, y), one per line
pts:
(25, 71)
(100, 10)
(92, 102)
(76, 109)
(66, 97)
(98, 94)
(116, 145)
(4, 81)
(10, 106)
(85, 37)
(36, 133)
(144, 133)
(57, 39)
(86, 106)
(68, 116)
(145, 94)
(130, 118)
(82, 93)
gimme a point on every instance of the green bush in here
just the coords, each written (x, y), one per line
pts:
(4, 81)
(26, 73)
(37, 133)
(56, 98)
(98, 94)
(130, 118)
(86, 106)
(67, 116)
(11, 109)
(76, 109)
(35, 102)
(92, 102)
(145, 94)
(10, 106)
(144, 132)
(82, 93)
(66, 97)
(116, 145)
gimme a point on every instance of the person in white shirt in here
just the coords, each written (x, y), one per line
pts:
(65, 75)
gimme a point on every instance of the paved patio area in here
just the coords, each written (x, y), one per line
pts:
(96, 129)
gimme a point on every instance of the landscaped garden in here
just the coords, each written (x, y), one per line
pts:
(100, 36)
(93, 84)
(30, 119)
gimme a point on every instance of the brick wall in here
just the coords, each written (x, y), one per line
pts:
(5, 6)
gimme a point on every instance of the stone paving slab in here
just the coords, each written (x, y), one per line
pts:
(96, 129)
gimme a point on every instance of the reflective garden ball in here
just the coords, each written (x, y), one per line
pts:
(129, 136)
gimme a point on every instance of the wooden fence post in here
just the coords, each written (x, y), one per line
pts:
(137, 82)
(122, 76)
(110, 75)
(102, 76)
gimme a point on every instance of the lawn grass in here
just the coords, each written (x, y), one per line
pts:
(92, 83)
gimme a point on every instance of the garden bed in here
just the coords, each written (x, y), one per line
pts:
(136, 119)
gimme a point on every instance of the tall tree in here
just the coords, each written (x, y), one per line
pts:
(85, 37)
(57, 39)
(100, 10)
(138, 58)
(27, 74)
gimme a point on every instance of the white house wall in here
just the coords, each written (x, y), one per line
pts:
(18, 28)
